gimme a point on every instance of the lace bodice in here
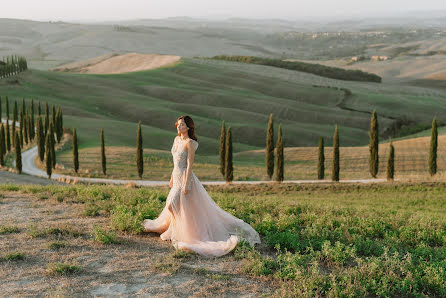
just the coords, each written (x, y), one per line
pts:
(179, 154)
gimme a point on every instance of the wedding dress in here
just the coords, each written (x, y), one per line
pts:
(196, 222)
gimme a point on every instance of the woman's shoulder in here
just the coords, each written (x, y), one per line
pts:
(193, 143)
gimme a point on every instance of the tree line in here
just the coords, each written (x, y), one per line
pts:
(317, 69)
(44, 132)
(12, 65)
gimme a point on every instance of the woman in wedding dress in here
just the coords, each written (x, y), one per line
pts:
(191, 219)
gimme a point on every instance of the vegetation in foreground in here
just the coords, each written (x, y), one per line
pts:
(329, 239)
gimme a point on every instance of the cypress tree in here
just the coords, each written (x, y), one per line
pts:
(280, 157)
(433, 148)
(48, 155)
(229, 171)
(2, 145)
(53, 145)
(25, 129)
(14, 120)
(391, 162)
(321, 160)
(75, 152)
(269, 158)
(8, 136)
(335, 169)
(59, 130)
(53, 115)
(373, 145)
(103, 160)
(7, 107)
(0, 109)
(22, 112)
(33, 128)
(139, 152)
(39, 109)
(21, 138)
(40, 139)
(29, 126)
(61, 122)
(21, 116)
(222, 148)
(47, 119)
(18, 154)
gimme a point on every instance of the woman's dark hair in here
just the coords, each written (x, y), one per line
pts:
(189, 123)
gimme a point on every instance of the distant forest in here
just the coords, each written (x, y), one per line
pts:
(317, 69)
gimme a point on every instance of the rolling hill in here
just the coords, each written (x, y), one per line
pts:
(243, 95)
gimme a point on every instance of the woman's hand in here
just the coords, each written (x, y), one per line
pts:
(184, 191)
(171, 183)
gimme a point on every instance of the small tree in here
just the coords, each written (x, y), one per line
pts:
(222, 148)
(40, 139)
(373, 145)
(139, 151)
(47, 119)
(2, 145)
(53, 145)
(321, 160)
(59, 129)
(18, 154)
(335, 169)
(433, 148)
(53, 115)
(20, 138)
(8, 136)
(7, 107)
(48, 155)
(14, 121)
(75, 152)
(391, 162)
(25, 129)
(280, 157)
(103, 160)
(269, 158)
(229, 175)
(32, 128)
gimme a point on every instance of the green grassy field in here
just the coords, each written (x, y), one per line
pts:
(211, 91)
(383, 240)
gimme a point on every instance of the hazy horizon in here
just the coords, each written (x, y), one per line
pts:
(100, 10)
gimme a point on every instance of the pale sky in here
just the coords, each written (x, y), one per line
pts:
(104, 10)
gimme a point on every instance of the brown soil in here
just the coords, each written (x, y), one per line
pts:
(132, 267)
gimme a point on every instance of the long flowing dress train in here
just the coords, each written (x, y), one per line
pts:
(195, 222)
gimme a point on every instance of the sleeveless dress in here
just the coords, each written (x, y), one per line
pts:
(196, 222)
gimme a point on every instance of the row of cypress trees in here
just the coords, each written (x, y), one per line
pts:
(30, 130)
(373, 150)
(277, 167)
(12, 65)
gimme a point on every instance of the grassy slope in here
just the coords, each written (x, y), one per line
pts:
(342, 239)
(210, 91)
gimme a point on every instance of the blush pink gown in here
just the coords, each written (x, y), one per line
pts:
(197, 223)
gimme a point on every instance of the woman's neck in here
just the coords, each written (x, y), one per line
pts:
(184, 136)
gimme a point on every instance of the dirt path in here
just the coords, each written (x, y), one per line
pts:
(138, 265)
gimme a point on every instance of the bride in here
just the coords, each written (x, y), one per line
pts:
(191, 219)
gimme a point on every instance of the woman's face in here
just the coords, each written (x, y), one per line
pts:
(181, 126)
